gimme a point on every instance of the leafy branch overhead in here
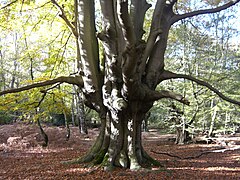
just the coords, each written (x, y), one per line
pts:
(147, 69)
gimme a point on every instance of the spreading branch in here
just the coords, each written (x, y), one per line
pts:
(170, 75)
(156, 95)
(205, 11)
(77, 80)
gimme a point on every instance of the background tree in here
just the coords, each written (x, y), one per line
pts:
(201, 48)
(121, 85)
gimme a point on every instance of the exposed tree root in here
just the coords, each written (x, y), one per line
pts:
(199, 155)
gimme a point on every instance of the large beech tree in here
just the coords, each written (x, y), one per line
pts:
(121, 85)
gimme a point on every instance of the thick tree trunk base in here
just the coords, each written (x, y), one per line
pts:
(119, 145)
(99, 156)
(102, 159)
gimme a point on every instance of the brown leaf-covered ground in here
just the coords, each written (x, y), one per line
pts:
(22, 157)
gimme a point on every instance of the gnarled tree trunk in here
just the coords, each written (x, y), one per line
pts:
(124, 90)
(119, 142)
(121, 86)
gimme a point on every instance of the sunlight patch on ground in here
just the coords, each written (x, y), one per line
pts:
(220, 169)
(78, 170)
(198, 160)
(235, 157)
(207, 168)
(33, 150)
(46, 150)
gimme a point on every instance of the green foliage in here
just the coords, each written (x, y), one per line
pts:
(206, 49)
(37, 46)
(6, 117)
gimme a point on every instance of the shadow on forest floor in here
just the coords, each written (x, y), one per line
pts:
(22, 156)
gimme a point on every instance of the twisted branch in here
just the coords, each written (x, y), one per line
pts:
(170, 75)
(77, 80)
(156, 95)
(205, 11)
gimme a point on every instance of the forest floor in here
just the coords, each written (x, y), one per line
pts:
(22, 157)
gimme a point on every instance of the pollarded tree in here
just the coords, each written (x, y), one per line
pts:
(121, 85)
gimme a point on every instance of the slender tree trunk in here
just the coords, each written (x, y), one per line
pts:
(43, 134)
(81, 115)
(227, 119)
(73, 108)
(145, 122)
(210, 133)
(67, 125)
(3, 80)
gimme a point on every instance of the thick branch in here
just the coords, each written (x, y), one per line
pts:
(157, 15)
(156, 95)
(154, 31)
(155, 64)
(155, 28)
(77, 80)
(205, 11)
(138, 11)
(64, 17)
(130, 60)
(171, 75)
(126, 23)
(89, 51)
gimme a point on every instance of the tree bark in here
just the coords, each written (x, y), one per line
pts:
(119, 143)
(43, 134)
(125, 90)
(133, 69)
(67, 125)
(72, 109)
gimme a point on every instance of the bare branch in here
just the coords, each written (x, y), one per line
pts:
(156, 95)
(77, 80)
(41, 100)
(171, 75)
(205, 11)
(9, 4)
(64, 47)
(45, 93)
(41, 6)
(64, 17)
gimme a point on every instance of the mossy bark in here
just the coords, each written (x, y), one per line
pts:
(119, 144)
